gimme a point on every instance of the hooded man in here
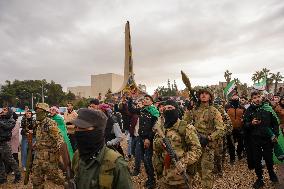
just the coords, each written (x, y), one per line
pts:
(95, 165)
(184, 140)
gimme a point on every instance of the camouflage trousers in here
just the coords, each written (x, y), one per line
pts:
(205, 168)
(6, 158)
(219, 157)
(46, 165)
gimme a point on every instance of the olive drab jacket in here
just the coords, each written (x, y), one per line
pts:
(207, 120)
(108, 170)
(184, 140)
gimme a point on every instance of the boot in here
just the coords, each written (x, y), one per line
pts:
(258, 184)
(17, 178)
(150, 184)
(274, 178)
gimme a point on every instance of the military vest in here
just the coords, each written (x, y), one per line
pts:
(94, 175)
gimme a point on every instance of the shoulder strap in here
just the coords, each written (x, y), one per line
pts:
(210, 117)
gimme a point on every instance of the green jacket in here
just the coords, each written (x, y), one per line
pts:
(63, 131)
(107, 171)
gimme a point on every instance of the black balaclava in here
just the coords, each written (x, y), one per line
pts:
(235, 102)
(171, 117)
(89, 143)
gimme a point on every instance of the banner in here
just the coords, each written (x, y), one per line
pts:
(261, 86)
(230, 89)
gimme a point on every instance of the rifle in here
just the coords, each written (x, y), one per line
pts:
(69, 183)
(29, 158)
(172, 153)
(187, 83)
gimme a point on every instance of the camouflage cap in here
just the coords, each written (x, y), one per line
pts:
(42, 106)
(205, 89)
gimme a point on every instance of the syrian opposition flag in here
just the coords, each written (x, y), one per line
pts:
(230, 89)
(261, 86)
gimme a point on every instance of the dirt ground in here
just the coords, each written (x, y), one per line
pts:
(235, 176)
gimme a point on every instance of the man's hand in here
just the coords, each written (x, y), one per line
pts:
(255, 122)
(147, 143)
(274, 139)
(180, 168)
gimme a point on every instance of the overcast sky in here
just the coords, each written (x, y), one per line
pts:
(67, 41)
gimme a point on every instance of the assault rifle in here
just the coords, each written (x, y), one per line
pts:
(172, 153)
(29, 158)
(69, 183)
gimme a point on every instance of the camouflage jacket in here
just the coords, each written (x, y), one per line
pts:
(48, 137)
(207, 120)
(185, 142)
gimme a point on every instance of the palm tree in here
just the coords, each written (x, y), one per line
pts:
(257, 76)
(265, 72)
(254, 78)
(227, 76)
(237, 81)
(276, 78)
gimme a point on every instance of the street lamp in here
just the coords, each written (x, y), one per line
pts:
(42, 97)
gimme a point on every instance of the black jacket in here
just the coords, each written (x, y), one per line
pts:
(7, 123)
(28, 124)
(109, 135)
(146, 121)
(267, 121)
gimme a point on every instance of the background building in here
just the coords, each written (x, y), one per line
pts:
(81, 91)
(100, 83)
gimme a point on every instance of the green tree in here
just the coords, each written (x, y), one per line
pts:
(20, 93)
(276, 78)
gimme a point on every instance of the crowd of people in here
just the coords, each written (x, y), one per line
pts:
(201, 132)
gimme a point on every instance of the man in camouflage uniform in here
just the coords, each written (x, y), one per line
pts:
(185, 142)
(48, 142)
(220, 151)
(210, 127)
